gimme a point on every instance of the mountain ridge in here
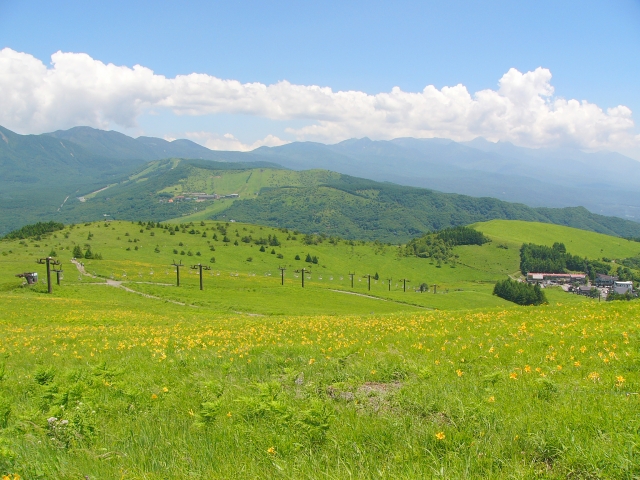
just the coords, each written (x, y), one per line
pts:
(68, 169)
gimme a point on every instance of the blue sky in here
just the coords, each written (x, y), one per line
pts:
(590, 47)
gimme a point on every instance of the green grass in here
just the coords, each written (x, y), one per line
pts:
(252, 379)
(578, 242)
(237, 284)
(109, 385)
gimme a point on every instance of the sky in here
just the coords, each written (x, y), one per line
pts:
(237, 75)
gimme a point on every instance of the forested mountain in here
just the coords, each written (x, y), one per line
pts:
(316, 201)
(358, 208)
(117, 145)
(602, 182)
(39, 160)
(42, 176)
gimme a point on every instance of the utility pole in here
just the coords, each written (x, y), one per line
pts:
(369, 283)
(177, 265)
(58, 275)
(282, 269)
(352, 275)
(200, 267)
(435, 287)
(303, 272)
(389, 280)
(404, 284)
(48, 261)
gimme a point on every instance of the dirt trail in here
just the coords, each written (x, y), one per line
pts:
(381, 299)
(117, 284)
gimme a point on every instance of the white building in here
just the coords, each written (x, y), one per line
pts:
(623, 287)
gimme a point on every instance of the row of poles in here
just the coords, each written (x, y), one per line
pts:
(200, 267)
(49, 261)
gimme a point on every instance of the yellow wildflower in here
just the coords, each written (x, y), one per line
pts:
(440, 436)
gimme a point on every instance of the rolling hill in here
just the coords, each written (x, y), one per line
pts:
(82, 174)
(317, 201)
(603, 182)
(245, 260)
(249, 377)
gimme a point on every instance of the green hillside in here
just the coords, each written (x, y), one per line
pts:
(142, 256)
(121, 372)
(36, 160)
(358, 208)
(578, 242)
(312, 201)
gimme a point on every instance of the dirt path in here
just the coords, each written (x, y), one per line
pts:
(117, 284)
(65, 201)
(381, 299)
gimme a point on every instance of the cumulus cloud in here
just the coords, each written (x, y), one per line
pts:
(79, 90)
(230, 142)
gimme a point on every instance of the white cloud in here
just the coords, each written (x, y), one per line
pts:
(79, 90)
(229, 142)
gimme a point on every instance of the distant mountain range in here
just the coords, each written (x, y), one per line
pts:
(311, 201)
(37, 172)
(142, 149)
(604, 183)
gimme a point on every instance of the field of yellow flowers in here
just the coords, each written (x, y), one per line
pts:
(98, 388)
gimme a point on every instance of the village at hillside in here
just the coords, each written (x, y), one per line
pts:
(603, 286)
(199, 197)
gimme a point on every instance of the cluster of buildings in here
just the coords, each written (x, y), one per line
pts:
(579, 283)
(200, 197)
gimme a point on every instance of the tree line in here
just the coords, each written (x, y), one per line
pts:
(439, 245)
(519, 292)
(34, 230)
(556, 259)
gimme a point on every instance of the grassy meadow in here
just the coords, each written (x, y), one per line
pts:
(251, 379)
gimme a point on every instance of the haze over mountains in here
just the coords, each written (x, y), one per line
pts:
(64, 163)
(603, 182)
